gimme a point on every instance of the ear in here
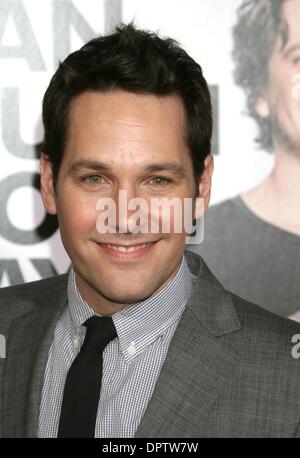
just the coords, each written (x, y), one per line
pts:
(47, 186)
(204, 191)
(262, 107)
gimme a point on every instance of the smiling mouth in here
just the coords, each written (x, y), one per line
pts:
(127, 249)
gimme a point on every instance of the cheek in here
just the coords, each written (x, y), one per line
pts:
(77, 215)
(172, 217)
(178, 217)
(282, 90)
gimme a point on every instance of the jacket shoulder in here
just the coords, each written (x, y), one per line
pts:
(264, 333)
(14, 298)
(251, 314)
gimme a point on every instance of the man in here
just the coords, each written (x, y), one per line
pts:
(252, 241)
(139, 339)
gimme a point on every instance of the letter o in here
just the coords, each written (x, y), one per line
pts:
(27, 237)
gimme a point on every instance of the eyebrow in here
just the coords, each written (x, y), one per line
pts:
(291, 49)
(77, 166)
(170, 167)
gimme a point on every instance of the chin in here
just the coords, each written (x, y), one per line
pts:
(125, 297)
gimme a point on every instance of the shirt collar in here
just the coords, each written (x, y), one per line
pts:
(140, 324)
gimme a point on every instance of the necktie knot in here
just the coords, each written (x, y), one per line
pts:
(100, 331)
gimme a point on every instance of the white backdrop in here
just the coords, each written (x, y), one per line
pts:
(34, 34)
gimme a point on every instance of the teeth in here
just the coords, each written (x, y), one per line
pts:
(123, 249)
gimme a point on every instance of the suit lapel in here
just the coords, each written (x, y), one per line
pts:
(197, 365)
(28, 342)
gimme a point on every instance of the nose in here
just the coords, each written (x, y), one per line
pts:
(131, 212)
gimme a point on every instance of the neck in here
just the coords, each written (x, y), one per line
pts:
(276, 199)
(284, 180)
(104, 305)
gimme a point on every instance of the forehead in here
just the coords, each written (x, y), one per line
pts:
(119, 119)
(290, 15)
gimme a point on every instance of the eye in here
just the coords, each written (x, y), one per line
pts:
(160, 181)
(93, 179)
(296, 60)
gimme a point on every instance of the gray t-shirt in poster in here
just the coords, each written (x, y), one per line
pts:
(251, 257)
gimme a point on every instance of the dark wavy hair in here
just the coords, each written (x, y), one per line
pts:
(134, 60)
(258, 26)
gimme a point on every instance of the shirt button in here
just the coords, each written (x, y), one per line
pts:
(76, 341)
(131, 349)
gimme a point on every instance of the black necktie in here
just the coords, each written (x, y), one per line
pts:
(83, 383)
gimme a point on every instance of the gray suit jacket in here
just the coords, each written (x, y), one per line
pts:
(229, 371)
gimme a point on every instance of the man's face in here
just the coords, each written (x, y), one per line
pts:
(120, 141)
(282, 100)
